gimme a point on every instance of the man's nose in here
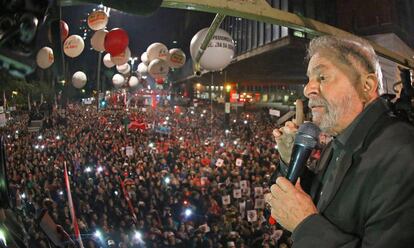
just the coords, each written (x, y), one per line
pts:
(311, 88)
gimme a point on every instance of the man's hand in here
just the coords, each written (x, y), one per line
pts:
(290, 204)
(284, 137)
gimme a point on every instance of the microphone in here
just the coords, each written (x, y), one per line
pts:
(305, 141)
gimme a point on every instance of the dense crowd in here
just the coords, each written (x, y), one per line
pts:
(191, 181)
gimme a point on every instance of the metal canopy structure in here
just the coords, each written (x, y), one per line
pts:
(260, 10)
(279, 62)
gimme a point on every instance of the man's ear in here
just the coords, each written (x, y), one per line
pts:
(369, 86)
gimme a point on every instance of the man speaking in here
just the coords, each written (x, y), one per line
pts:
(363, 194)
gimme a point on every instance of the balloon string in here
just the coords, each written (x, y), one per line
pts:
(211, 110)
(61, 45)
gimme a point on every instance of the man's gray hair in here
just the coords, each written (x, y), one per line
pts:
(349, 50)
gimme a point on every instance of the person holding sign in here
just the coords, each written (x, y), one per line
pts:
(362, 196)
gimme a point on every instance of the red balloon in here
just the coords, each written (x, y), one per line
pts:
(64, 30)
(116, 41)
(159, 80)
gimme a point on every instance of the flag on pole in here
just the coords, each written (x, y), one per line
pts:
(4, 100)
(72, 209)
(128, 200)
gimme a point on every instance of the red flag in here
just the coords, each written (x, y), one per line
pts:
(72, 209)
(137, 125)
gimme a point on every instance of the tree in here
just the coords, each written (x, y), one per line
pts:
(23, 88)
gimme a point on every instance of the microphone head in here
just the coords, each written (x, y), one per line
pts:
(308, 135)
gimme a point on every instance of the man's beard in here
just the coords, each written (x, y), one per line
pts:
(328, 120)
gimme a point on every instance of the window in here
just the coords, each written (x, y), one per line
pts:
(249, 34)
(254, 34)
(260, 33)
(284, 7)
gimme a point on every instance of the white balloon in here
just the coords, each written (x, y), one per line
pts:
(144, 58)
(98, 40)
(157, 51)
(219, 52)
(118, 80)
(176, 58)
(124, 69)
(133, 81)
(97, 20)
(107, 61)
(44, 57)
(121, 58)
(142, 68)
(73, 46)
(79, 79)
(158, 68)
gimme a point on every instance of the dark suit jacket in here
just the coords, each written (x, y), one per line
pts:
(370, 201)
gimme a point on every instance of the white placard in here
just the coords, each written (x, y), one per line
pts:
(237, 194)
(239, 162)
(251, 215)
(258, 191)
(219, 162)
(274, 112)
(225, 200)
(129, 151)
(259, 203)
(244, 184)
(246, 191)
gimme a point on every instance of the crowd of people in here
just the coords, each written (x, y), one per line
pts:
(180, 180)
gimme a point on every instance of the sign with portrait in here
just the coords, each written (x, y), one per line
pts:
(219, 162)
(246, 191)
(225, 200)
(251, 215)
(259, 203)
(258, 191)
(237, 193)
(244, 184)
(239, 162)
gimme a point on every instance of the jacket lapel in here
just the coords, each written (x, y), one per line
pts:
(322, 164)
(330, 188)
(354, 144)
